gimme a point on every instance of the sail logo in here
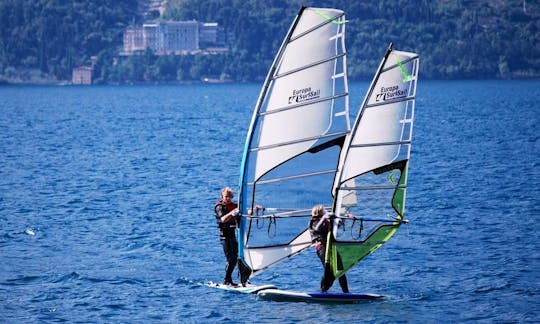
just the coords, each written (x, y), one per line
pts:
(304, 94)
(390, 93)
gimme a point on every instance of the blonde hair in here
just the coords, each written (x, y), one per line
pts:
(227, 192)
(317, 211)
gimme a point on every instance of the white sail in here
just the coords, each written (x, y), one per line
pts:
(293, 144)
(384, 130)
(373, 164)
(305, 73)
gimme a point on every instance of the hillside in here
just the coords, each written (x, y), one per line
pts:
(41, 39)
(456, 39)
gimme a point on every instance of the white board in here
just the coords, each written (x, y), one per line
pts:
(248, 289)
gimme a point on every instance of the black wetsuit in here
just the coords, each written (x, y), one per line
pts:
(227, 235)
(319, 236)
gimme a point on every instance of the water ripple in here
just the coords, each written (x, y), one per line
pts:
(106, 198)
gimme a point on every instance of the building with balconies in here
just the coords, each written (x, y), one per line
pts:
(174, 37)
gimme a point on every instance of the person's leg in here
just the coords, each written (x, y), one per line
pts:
(343, 284)
(327, 279)
(343, 278)
(230, 249)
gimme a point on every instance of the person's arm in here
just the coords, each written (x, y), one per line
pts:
(230, 216)
(321, 221)
(225, 218)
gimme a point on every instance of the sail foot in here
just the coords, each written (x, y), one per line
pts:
(344, 255)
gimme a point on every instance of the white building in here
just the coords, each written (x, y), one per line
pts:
(133, 40)
(82, 75)
(174, 37)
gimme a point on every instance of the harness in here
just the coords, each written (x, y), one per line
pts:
(318, 236)
(225, 229)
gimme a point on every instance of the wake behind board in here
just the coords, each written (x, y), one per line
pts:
(315, 297)
(248, 289)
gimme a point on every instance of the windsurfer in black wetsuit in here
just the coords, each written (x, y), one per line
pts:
(319, 226)
(226, 217)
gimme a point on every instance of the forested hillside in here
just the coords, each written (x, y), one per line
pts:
(53, 36)
(455, 39)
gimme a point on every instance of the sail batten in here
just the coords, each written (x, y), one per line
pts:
(381, 187)
(309, 66)
(380, 144)
(327, 21)
(301, 140)
(390, 67)
(298, 176)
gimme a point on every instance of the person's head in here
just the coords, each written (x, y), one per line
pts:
(317, 211)
(227, 194)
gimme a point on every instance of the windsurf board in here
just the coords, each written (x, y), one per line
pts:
(317, 297)
(248, 289)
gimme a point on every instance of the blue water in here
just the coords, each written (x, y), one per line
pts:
(106, 198)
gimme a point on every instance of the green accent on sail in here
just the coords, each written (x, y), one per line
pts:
(334, 21)
(331, 253)
(406, 76)
(328, 251)
(391, 177)
(352, 253)
(398, 202)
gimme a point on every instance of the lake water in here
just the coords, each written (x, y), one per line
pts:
(107, 193)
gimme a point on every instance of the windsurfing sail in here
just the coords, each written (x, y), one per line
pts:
(372, 174)
(292, 148)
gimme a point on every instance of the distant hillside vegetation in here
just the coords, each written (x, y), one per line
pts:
(54, 36)
(455, 39)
